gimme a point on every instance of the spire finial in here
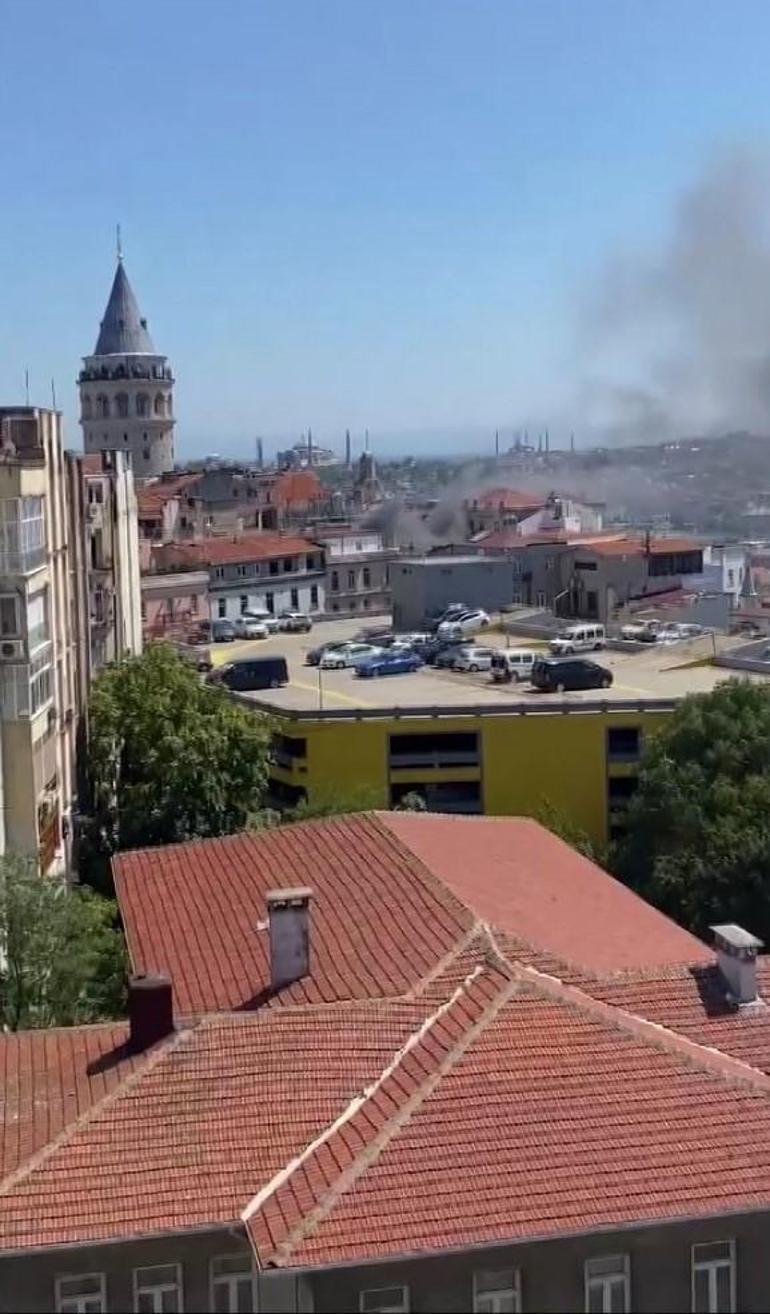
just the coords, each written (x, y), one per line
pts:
(119, 245)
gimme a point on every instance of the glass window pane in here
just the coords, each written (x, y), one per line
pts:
(723, 1285)
(618, 1297)
(701, 1291)
(595, 1301)
(245, 1303)
(170, 1302)
(145, 1302)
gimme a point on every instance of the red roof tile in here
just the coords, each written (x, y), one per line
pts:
(50, 1078)
(380, 921)
(507, 499)
(258, 546)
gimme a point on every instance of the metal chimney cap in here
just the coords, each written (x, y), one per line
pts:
(294, 894)
(735, 940)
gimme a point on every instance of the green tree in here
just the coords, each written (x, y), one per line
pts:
(62, 957)
(698, 842)
(555, 821)
(169, 758)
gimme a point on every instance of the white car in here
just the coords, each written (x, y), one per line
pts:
(469, 623)
(474, 659)
(265, 618)
(295, 622)
(248, 628)
(349, 654)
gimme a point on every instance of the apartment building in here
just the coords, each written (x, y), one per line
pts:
(40, 688)
(415, 1063)
(253, 571)
(357, 569)
(104, 541)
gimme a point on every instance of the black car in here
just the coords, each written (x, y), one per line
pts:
(555, 674)
(253, 673)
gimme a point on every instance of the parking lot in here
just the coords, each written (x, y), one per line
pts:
(656, 672)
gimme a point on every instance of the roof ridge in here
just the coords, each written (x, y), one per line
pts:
(477, 931)
(707, 1057)
(127, 1084)
(371, 1148)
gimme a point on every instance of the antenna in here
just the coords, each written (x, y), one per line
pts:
(497, 442)
(53, 395)
(118, 244)
(26, 385)
(366, 440)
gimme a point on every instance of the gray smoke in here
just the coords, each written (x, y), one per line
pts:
(679, 340)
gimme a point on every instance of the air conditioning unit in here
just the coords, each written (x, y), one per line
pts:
(12, 650)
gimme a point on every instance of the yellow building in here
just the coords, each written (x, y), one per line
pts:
(580, 760)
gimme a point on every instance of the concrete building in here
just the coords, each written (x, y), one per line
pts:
(423, 586)
(174, 605)
(103, 513)
(357, 569)
(126, 388)
(40, 688)
(490, 1078)
(253, 571)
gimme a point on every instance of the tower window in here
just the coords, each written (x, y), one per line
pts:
(121, 403)
(142, 404)
(158, 404)
(146, 453)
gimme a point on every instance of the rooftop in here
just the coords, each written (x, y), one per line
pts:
(219, 550)
(483, 1005)
(123, 331)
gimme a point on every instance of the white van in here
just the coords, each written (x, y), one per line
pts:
(513, 664)
(578, 638)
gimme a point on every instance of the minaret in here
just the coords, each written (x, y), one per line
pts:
(126, 387)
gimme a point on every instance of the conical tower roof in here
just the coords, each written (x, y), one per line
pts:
(123, 331)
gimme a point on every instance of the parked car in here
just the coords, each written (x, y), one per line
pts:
(578, 638)
(513, 664)
(252, 673)
(675, 631)
(470, 622)
(389, 663)
(474, 659)
(248, 628)
(448, 655)
(294, 622)
(267, 618)
(449, 613)
(222, 631)
(645, 631)
(349, 654)
(555, 675)
(314, 655)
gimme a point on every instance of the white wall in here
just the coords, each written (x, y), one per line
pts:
(257, 598)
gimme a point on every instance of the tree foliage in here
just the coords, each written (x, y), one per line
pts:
(62, 959)
(169, 758)
(698, 844)
(555, 821)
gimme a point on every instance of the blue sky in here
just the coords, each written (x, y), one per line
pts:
(377, 213)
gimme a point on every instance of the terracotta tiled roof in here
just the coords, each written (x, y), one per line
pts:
(392, 893)
(380, 920)
(50, 1078)
(297, 488)
(627, 547)
(258, 546)
(368, 1130)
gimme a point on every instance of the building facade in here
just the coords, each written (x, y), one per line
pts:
(253, 572)
(174, 605)
(423, 586)
(357, 570)
(126, 388)
(40, 688)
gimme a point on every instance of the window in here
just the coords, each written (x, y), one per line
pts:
(158, 404)
(103, 405)
(385, 1300)
(367, 578)
(458, 796)
(9, 616)
(273, 567)
(85, 1294)
(121, 405)
(313, 597)
(497, 1293)
(194, 604)
(540, 598)
(607, 1285)
(95, 493)
(142, 404)
(623, 743)
(270, 602)
(40, 684)
(219, 572)
(144, 610)
(335, 581)
(351, 579)
(288, 564)
(713, 1278)
(445, 748)
(243, 571)
(158, 1290)
(232, 1285)
(22, 535)
(620, 791)
(310, 563)
(221, 608)
(244, 603)
(295, 599)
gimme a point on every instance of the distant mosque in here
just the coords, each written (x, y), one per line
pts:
(126, 387)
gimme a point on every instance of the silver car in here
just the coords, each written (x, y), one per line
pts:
(349, 654)
(474, 659)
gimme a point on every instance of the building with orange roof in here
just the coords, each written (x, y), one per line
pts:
(392, 1062)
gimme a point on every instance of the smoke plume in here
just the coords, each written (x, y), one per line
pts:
(679, 339)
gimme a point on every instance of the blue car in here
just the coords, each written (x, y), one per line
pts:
(390, 663)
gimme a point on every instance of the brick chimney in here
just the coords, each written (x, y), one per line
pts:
(288, 913)
(737, 960)
(150, 1010)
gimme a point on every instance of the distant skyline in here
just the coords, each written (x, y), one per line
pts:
(347, 215)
